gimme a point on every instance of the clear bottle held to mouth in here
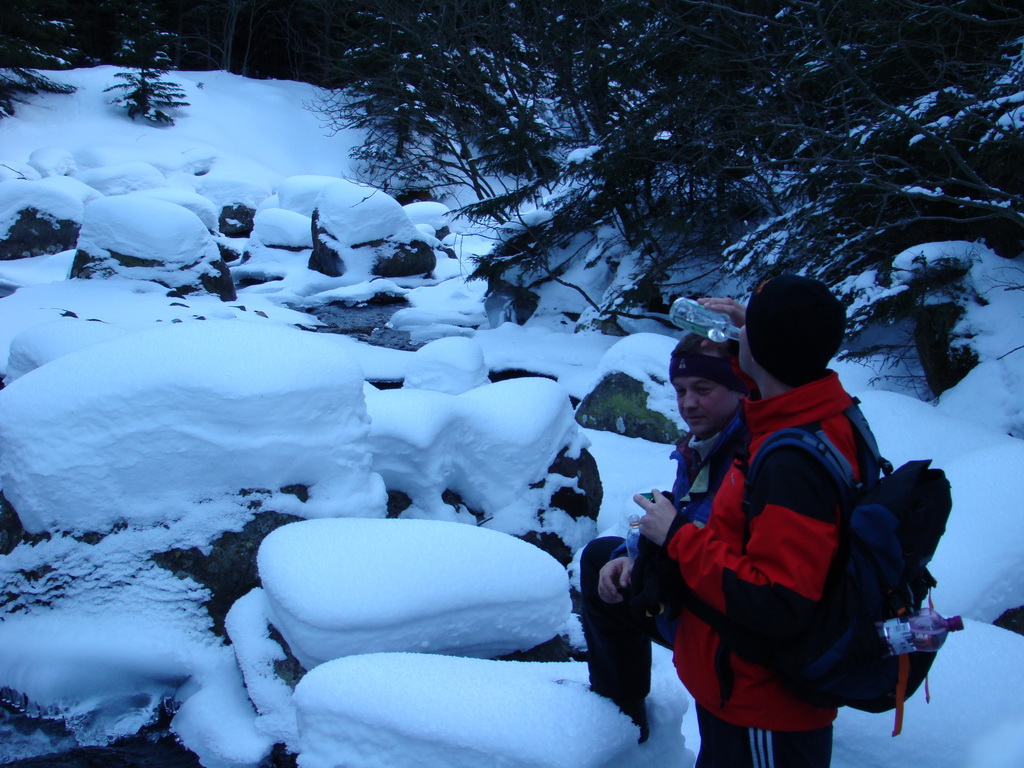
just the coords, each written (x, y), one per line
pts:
(689, 315)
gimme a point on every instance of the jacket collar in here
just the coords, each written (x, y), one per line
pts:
(811, 402)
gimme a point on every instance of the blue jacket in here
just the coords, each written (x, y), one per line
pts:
(695, 504)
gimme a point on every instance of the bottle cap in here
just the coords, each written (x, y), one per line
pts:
(955, 623)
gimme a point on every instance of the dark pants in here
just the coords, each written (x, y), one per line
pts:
(724, 745)
(618, 643)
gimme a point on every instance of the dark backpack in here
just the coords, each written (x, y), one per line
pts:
(890, 527)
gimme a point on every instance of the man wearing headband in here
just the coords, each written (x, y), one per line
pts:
(624, 609)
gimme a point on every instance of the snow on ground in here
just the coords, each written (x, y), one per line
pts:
(232, 388)
(381, 710)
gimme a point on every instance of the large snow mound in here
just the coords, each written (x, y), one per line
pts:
(342, 587)
(458, 713)
(147, 229)
(482, 444)
(89, 437)
(39, 344)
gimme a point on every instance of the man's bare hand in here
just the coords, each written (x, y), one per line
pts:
(660, 514)
(613, 579)
(736, 312)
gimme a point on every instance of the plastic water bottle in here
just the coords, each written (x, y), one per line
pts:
(923, 630)
(691, 316)
(633, 537)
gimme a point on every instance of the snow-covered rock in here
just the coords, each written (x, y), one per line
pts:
(342, 587)
(187, 199)
(452, 460)
(230, 405)
(300, 193)
(452, 365)
(399, 709)
(39, 344)
(282, 228)
(361, 232)
(235, 199)
(122, 178)
(435, 215)
(630, 393)
(53, 161)
(37, 218)
(142, 238)
(73, 187)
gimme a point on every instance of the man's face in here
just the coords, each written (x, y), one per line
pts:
(706, 406)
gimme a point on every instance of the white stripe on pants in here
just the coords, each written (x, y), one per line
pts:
(761, 748)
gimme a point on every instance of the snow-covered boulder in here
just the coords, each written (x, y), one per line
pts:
(436, 216)
(156, 425)
(14, 170)
(147, 239)
(53, 161)
(340, 587)
(73, 187)
(482, 457)
(39, 344)
(105, 674)
(187, 199)
(454, 364)
(361, 232)
(279, 245)
(122, 178)
(404, 709)
(37, 218)
(300, 193)
(631, 394)
(281, 228)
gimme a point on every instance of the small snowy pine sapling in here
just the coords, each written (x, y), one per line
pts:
(145, 95)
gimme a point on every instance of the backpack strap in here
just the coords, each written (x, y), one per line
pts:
(871, 460)
(813, 440)
(901, 692)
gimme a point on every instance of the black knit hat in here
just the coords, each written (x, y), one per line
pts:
(794, 328)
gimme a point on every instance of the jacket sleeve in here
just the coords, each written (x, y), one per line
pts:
(765, 568)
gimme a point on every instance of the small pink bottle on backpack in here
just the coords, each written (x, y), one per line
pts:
(923, 630)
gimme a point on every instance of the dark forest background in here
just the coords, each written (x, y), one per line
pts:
(669, 142)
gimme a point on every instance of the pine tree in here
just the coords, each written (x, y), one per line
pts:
(32, 37)
(145, 49)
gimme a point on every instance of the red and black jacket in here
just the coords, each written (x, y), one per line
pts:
(762, 562)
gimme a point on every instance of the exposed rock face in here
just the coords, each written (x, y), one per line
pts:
(585, 502)
(509, 303)
(236, 220)
(35, 234)
(216, 279)
(945, 361)
(40, 217)
(1012, 620)
(11, 529)
(228, 570)
(619, 404)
